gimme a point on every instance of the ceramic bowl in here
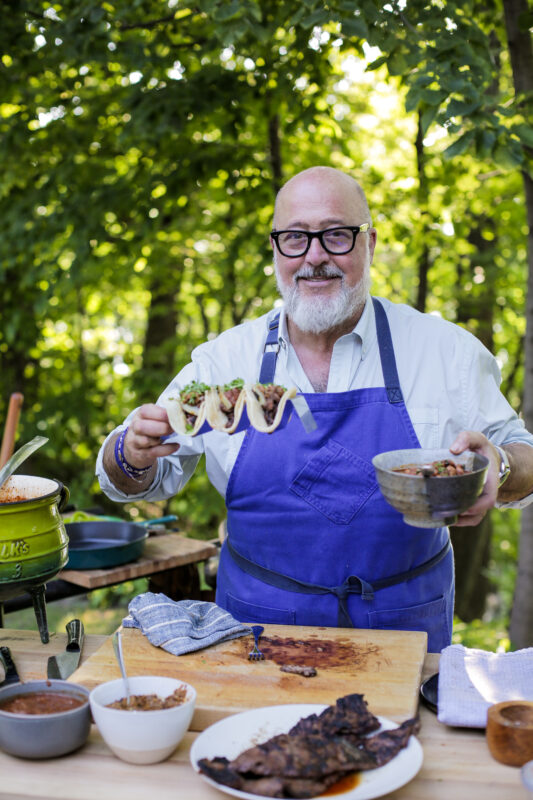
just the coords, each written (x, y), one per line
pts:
(142, 737)
(430, 502)
(44, 735)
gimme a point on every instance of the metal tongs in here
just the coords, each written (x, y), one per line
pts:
(301, 407)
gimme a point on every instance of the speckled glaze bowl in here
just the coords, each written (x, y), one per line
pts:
(430, 502)
(44, 735)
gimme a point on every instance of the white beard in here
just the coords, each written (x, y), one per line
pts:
(319, 314)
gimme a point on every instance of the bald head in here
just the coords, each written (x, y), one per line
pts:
(313, 187)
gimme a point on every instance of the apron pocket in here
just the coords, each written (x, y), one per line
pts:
(431, 617)
(249, 612)
(336, 482)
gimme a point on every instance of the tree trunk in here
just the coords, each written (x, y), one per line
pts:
(423, 194)
(521, 52)
(159, 351)
(471, 550)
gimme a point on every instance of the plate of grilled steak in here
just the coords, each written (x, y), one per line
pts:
(302, 750)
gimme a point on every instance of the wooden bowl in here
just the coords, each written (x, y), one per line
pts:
(510, 732)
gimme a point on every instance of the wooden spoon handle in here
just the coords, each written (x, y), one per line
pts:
(10, 430)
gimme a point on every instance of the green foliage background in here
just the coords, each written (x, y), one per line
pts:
(142, 144)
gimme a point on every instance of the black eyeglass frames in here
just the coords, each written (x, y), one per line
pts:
(336, 241)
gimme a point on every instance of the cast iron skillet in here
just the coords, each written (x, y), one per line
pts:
(98, 545)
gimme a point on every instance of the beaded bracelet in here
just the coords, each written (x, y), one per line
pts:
(135, 473)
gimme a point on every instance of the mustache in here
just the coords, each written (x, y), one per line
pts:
(325, 271)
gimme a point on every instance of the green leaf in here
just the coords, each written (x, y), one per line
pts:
(354, 27)
(318, 17)
(460, 145)
(428, 115)
(458, 108)
(413, 99)
(396, 64)
(96, 14)
(507, 156)
(487, 140)
(376, 64)
(524, 133)
(225, 12)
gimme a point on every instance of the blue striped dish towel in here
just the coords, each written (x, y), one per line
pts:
(181, 626)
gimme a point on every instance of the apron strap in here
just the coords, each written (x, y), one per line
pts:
(352, 585)
(386, 352)
(268, 364)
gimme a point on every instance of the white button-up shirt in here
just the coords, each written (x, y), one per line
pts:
(450, 383)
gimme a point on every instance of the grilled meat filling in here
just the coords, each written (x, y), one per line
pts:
(269, 395)
(317, 752)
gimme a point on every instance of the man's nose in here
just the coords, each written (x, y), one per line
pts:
(316, 253)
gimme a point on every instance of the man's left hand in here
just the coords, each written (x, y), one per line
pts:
(478, 443)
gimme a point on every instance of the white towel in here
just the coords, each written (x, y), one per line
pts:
(181, 626)
(472, 680)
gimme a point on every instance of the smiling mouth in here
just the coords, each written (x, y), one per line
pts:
(319, 278)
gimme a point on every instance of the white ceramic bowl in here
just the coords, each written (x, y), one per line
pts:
(142, 737)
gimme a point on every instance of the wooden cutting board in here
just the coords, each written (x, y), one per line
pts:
(385, 666)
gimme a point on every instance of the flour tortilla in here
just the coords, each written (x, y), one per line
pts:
(255, 410)
(214, 414)
(176, 411)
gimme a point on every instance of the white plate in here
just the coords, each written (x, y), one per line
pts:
(231, 735)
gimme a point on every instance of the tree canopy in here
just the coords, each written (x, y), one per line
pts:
(142, 146)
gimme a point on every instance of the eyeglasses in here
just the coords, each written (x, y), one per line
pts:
(336, 241)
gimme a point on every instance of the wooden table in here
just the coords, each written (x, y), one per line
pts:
(457, 764)
(161, 553)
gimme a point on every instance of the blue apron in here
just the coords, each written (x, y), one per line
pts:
(311, 540)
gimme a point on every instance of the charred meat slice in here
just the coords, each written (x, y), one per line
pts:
(297, 669)
(302, 757)
(384, 746)
(349, 715)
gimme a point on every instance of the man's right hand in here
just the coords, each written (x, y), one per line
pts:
(142, 444)
(142, 448)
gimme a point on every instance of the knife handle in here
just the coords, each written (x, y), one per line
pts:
(8, 663)
(75, 634)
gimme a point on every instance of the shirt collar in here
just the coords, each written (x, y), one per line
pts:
(365, 329)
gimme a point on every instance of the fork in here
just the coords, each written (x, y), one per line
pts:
(256, 654)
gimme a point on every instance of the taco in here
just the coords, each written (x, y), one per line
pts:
(225, 404)
(265, 404)
(187, 411)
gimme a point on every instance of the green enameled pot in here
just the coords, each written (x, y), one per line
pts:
(33, 539)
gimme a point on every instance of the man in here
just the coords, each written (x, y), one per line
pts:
(311, 540)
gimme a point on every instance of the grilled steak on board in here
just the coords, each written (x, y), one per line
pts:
(316, 753)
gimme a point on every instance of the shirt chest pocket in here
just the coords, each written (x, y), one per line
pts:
(425, 421)
(335, 482)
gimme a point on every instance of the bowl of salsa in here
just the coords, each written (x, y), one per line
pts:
(43, 719)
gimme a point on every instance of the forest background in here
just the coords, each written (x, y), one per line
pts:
(142, 144)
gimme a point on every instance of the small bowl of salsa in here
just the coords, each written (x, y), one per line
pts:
(43, 719)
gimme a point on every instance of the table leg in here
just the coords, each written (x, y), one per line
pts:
(39, 606)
